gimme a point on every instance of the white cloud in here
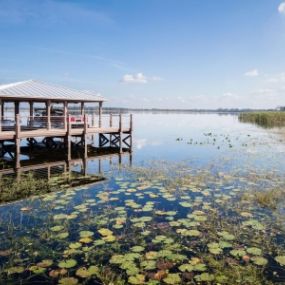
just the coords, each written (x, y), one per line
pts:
(139, 78)
(277, 78)
(252, 73)
(281, 8)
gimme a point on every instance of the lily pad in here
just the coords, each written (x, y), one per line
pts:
(172, 278)
(205, 277)
(69, 263)
(68, 281)
(280, 259)
(15, 269)
(85, 234)
(137, 248)
(137, 279)
(258, 260)
(56, 228)
(254, 251)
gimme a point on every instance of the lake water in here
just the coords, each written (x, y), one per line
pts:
(203, 203)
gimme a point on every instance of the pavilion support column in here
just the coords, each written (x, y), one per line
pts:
(85, 136)
(48, 108)
(1, 114)
(68, 140)
(31, 119)
(65, 109)
(82, 109)
(100, 114)
(2, 109)
(31, 103)
(17, 109)
(17, 142)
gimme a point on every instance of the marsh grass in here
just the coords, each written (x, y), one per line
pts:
(29, 185)
(269, 198)
(11, 189)
(264, 119)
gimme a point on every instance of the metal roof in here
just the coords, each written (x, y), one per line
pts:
(37, 90)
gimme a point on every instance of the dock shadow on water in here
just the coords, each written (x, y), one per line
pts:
(216, 218)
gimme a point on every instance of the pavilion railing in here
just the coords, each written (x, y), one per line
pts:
(28, 123)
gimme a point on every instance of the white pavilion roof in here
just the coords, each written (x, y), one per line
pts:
(37, 90)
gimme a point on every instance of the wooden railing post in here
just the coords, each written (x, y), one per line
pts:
(131, 122)
(18, 126)
(100, 114)
(48, 115)
(85, 123)
(111, 120)
(120, 122)
(68, 125)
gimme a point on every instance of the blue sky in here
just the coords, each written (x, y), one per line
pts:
(150, 53)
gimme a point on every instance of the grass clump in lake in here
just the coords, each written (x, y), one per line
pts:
(169, 224)
(264, 119)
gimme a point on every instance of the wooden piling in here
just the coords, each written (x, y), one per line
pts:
(121, 133)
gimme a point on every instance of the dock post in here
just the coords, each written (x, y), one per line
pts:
(18, 141)
(85, 136)
(131, 132)
(84, 166)
(68, 138)
(130, 159)
(111, 125)
(121, 133)
(99, 166)
(120, 159)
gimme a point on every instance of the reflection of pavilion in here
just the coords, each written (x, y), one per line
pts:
(91, 165)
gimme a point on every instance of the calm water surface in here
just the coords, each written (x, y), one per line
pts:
(187, 212)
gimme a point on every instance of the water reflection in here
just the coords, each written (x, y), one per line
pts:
(198, 206)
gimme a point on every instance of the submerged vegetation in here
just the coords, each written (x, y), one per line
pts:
(264, 119)
(168, 224)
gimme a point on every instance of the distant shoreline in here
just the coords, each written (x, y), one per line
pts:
(158, 110)
(184, 111)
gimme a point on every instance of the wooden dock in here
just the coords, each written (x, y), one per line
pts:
(57, 123)
(113, 133)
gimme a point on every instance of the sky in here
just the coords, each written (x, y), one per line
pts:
(150, 53)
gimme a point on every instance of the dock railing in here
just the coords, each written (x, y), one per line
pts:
(22, 123)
